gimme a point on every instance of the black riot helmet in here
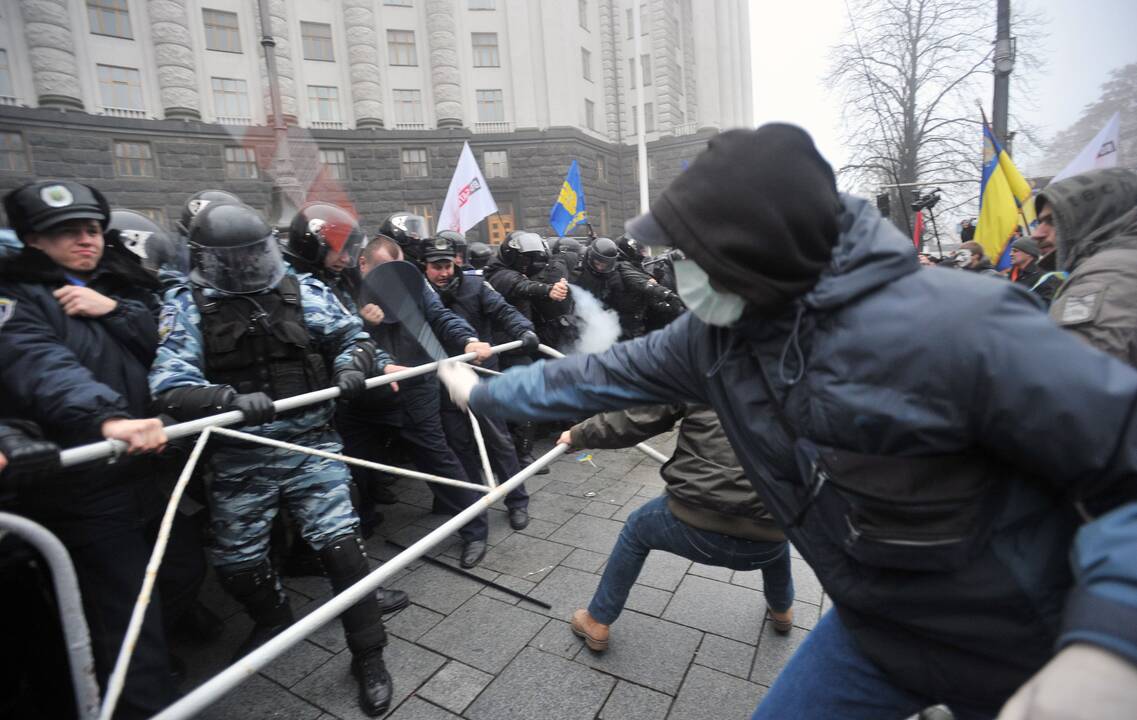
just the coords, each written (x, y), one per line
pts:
(320, 228)
(601, 256)
(479, 255)
(460, 246)
(233, 249)
(153, 245)
(568, 245)
(198, 202)
(631, 250)
(408, 230)
(525, 252)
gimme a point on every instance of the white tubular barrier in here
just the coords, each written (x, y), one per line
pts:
(642, 447)
(115, 448)
(246, 667)
(71, 617)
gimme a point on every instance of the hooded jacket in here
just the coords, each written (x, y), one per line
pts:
(1096, 226)
(856, 369)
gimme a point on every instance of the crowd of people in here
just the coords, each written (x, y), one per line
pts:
(964, 490)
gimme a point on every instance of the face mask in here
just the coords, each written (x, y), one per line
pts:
(709, 305)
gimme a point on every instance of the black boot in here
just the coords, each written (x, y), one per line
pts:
(523, 441)
(258, 589)
(346, 564)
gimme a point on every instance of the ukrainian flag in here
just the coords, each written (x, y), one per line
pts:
(569, 211)
(1004, 202)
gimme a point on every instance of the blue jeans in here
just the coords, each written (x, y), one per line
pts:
(654, 527)
(829, 677)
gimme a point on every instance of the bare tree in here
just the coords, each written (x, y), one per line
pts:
(908, 75)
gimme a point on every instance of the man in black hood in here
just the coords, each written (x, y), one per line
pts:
(853, 421)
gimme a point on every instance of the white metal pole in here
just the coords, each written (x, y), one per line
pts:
(641, 141)
(208, 693)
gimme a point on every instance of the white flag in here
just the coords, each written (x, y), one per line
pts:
(1100, 153)
(468, 200)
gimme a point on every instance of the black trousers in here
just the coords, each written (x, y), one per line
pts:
(499, 447)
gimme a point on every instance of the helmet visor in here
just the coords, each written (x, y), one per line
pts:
(414, 225)
(601, 263)
(251, 268)
(346, 240)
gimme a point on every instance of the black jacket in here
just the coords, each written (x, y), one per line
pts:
(476, 302)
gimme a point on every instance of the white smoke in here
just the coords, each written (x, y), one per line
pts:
(598, 326)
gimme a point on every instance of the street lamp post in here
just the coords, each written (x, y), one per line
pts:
(286, 193)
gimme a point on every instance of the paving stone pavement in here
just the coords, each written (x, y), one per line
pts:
(691, 643)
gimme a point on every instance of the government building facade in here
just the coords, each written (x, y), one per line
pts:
(152, 100)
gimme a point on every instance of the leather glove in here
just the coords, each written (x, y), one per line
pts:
(363, 358)
(27, 456)
(529, 340)
(459, 381)
(1081, 682)
(351, 382)
(257, 407)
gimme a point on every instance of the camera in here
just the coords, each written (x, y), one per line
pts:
(925, 201)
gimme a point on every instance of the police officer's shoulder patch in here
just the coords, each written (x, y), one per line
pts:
(7, 309)
(166, 322)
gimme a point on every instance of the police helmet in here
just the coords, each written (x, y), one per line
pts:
(631, 250)
(525, 252)
(568, 245)
(479, 255)
(40, 206)
(153, 245)
(460, 246)
(233, 249)
(198, 202)
(601, 256)
(320, 228)
(437, 248)
(408, 230)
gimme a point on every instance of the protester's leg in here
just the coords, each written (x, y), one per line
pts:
(778, 581)
(641, 534)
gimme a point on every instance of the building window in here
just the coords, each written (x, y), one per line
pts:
(645, 65)
(601, 168)
(602, 216)
(635, 121)
(13, 154)
(586, 63)
(496, 163)
(649, 117)
(650, 170)
(109, 17)
(401, 47)
(643, 19)
(317, 41)
(230, 98)
(491, 105)
(120, 87)
(334, 162)
(500, 223)
(241, 163)
(398, 3)
(133, 159)
(582, 12)
(323, 103)
(631, 73)
(221, 31)
(590, 114)
(408, 107)
(485, 50)
(481, 4)
(426, 211)
(414, 163)
(7, 90)
(631, 23)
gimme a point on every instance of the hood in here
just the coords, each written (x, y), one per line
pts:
(1083, 205)
(870, 252)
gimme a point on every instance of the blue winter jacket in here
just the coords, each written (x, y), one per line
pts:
(888, 360)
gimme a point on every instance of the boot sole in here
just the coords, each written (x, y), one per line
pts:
(591, 642)
(388, 609)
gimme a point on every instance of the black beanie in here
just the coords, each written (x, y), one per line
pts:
(758, 211)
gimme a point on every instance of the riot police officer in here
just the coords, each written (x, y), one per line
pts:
(244, 332)
(408, 230)
(325, 240)
(479, 256)
(199, 201)
(472, 299)
(598, 275)
(660, 304)
(458, 241)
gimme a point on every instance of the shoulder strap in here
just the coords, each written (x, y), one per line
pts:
(289, 289)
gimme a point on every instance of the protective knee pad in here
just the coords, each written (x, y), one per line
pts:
(346, 564)
(258, 589)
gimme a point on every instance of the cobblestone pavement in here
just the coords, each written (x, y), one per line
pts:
(691, 644)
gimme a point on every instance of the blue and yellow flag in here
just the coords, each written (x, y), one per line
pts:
(569, 211)
(1004, 202)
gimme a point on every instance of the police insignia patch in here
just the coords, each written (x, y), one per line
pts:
(7, 308)
(56, 196)
(1080, 309)
(166, 322)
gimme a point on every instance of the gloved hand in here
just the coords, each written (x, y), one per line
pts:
(1081, 682)
(257, 407)
(363, 358)
(529, 340)
(459, 381)
(27, 456)
(351, 382)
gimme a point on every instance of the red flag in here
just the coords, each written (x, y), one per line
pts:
(918, 231)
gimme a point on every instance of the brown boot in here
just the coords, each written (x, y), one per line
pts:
(783, 622)
(595, 634)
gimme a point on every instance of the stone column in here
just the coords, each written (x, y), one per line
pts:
(611, 63)
(363, 59)
(445, 80)
(47, 28)
(278, 12)
(173, 53)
